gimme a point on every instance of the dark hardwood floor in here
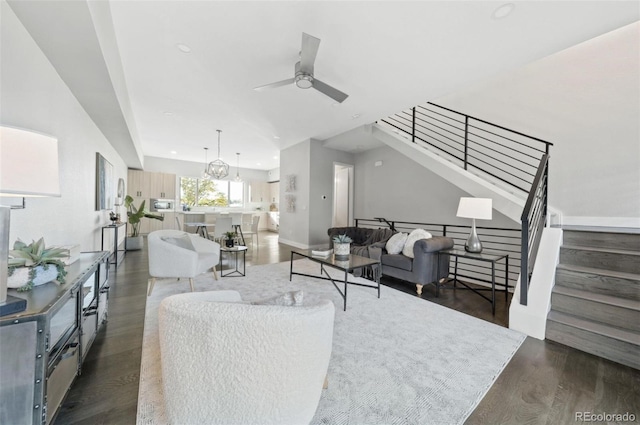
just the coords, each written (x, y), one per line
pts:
(545, 382)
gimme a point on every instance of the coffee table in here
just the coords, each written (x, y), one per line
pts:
(353, 263)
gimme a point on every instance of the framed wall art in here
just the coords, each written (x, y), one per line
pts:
(104, 183)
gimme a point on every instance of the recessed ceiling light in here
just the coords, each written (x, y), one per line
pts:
(183, 48)
(354, 116)
(173, 152)
(167, 113)
(275, 157)
(257, 163)
(503, 11)
(276, 137)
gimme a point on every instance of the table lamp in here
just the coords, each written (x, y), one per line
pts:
(474, 208)
(28, 168)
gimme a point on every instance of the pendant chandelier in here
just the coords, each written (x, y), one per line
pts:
(205, 176)
(218, 169)
(238, 178)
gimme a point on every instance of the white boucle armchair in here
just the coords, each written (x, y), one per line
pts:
(229, 362)
(178, 254)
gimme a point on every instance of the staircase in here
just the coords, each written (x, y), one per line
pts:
(595, 304)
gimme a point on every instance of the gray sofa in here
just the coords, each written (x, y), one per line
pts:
(423, 268)
(420, 270)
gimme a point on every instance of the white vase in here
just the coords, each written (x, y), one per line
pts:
(342, 250)
(20, 276)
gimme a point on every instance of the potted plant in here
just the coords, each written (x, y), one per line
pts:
(134, 216)
(230, 237)
(342, 247)
(32, 265)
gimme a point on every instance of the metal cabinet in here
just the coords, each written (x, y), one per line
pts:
(42, 348)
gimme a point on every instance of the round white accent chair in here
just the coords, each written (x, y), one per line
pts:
(229, 362)
(177, 254)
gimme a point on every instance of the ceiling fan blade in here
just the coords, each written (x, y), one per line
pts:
(274, 85)
(308, 52)
(326, 89)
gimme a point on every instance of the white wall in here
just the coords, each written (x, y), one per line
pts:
(585, 100)
(35, 98)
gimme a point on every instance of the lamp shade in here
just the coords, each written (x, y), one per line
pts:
(28, 164)
(479, 208)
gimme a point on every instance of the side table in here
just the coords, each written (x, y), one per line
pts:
(492, 258)
(117, 258)
(235, 250)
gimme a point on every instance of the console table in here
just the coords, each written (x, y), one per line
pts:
(116, 258)
(43, 347)
(484, 256)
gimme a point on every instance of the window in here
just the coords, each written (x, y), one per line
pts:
(211, 193)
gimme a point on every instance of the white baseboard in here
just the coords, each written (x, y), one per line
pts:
(627, 222)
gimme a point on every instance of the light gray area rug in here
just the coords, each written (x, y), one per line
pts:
(395, 360)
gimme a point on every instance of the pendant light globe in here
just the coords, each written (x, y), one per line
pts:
(238, 178)
(218, 169)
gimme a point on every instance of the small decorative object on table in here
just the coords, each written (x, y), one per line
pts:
(113, 217)
(342, 246)
(230, 239)
(32, 265)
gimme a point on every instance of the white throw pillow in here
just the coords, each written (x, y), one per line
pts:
(396, 243)
(180, 241)
(287, 299)
(414, 236)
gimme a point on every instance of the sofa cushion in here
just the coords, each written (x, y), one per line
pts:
(286, 299)
(396, 243)
(416, 234)
(183, 241)
(398, 261)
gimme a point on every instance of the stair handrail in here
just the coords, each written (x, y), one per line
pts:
(533, 219)
(474, 142)
(511, 161)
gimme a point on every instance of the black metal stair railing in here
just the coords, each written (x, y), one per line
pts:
(474, 144)
(513, 158)
(533, 219)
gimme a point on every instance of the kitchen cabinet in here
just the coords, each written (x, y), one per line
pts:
(50, 340)
(274, 192)
(259, 191)
(147, 185)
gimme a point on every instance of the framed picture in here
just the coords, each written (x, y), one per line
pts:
(104, 183)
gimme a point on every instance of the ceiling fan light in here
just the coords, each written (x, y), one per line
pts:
(304, 81)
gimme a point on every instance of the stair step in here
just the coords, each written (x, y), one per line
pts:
(614, 311)
(600, 281)
(596, 239)
(601, 258)
(595, 338)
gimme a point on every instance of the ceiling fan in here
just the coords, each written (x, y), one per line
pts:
(303, 76)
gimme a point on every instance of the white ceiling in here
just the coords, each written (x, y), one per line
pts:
(387, 55)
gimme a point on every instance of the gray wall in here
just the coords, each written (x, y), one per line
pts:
(401, 189)
(312, 164)
(321, 210)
